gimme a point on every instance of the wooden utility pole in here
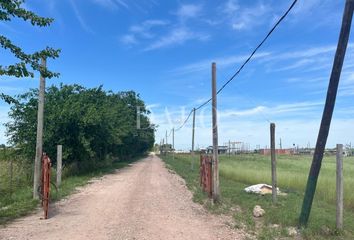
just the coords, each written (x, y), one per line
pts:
(59, 164)
(193, 130)
(229, 148)
(11, 175)
(138, 122)
(339, 187)
(274, 164)
(327, 113)
(215, 162)
(160, 148)
(163, 147)
(173, 143)
(39, 142)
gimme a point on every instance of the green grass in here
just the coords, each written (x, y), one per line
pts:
(21, 203)
(238, 172)
(292, 174)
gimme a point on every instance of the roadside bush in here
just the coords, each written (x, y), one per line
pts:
(93, 125)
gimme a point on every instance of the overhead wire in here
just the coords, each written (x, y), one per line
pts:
(244, 64)
(185, 121)
(170, 133)
(259, 45)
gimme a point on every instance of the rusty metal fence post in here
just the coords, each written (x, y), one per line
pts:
(45, 188)
(206, 182)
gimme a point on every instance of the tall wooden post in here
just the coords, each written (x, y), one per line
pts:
(59, 164)
(193, 131)
(274, 164)
(11, 174)
(39, 142)
(163, 147)
(327, 113)
(173, 143)
(166, 137)
(138, 121)
(339, 187)
(215, 162)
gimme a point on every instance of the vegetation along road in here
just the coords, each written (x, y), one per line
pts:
(142, 201)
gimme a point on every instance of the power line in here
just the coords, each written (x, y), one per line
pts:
(247, 60)
(259, 45)
(185, 121)
(205, 103)
(170, 133)
(252, 54)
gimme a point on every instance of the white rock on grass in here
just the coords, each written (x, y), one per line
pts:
(258, 211)
(292, 231)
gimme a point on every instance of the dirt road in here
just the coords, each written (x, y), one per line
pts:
(143, 201)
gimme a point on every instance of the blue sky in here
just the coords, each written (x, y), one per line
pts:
(164, 49)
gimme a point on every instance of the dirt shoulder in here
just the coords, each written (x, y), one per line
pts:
(143, 201)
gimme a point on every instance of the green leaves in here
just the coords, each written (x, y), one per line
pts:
(8, 99)
(90, 123)
(8, 10)
(12, 8)
(20, 69)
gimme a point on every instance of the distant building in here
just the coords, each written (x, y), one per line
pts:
(165, 148)
(221, 149)
(277, 151)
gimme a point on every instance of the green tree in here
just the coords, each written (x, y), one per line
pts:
(28, 63)
(94, 126)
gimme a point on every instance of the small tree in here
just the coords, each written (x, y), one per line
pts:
(28, 63)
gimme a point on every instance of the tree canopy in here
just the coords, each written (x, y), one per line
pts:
(28, 62)
(91, 124)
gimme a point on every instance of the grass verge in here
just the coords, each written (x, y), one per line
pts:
(279, 217)
(21, 203)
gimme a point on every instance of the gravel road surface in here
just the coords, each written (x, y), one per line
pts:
(142, 201)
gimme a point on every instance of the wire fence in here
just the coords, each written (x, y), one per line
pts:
(16, 173)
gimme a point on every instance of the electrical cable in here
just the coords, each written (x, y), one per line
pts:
(244, 64)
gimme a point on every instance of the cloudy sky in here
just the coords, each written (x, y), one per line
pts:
(164, 49)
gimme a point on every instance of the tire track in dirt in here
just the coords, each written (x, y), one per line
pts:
(143, 201)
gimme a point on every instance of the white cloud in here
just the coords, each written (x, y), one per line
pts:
(221, 62)
(231, 7)
(176, 36)
(304, 53)
(112, 4)
(243, 113)
(296, 122)
(6, 27)
(306, 7)
(241, 18)
(142, 31)
(297, 64)
(80, 18)
(250, 130)
(147, 25)
(189, 11)
(346, 87)
(129, 39)
(306, 60)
